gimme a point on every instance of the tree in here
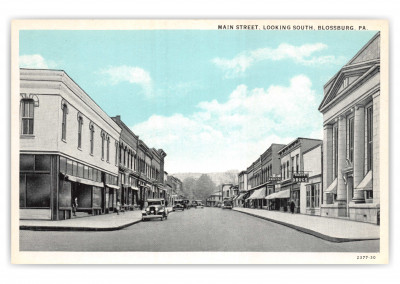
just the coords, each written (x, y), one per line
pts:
(204, 187)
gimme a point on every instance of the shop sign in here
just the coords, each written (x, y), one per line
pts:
(300, 177)
(274, 178)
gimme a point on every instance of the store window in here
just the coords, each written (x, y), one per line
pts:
(313, 192)
(27, 116)
(35, 181)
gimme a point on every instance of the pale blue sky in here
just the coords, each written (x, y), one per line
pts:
(213, 100)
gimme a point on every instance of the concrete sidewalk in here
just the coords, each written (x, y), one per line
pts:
(106, 222)
(331, 229)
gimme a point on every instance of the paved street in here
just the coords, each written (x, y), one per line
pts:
(208, 229)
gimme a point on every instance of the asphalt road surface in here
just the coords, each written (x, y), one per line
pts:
(208, 229)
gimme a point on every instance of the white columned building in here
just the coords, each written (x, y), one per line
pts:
(351, 138)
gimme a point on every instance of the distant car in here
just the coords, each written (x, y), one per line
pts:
(186, 203)
(197, 204)
(155, 209)
(228, 204)
(178, 205)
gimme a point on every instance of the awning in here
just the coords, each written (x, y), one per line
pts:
(112, 186)
(332, 188)
(134, 187)
(84, 181)
(280, 194)
(258, 194)
(366, 183)
(241, 196)
(283, 194)
(271, 196)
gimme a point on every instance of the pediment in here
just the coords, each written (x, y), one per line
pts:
(347, 77)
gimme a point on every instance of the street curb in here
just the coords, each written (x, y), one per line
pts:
(308, 231)
(71, 229)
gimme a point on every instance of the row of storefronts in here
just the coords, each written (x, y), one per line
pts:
(73, 155)
(335, 177)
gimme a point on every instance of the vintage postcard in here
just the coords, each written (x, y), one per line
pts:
(200, 141)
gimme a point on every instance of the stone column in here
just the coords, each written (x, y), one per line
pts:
(327, 159)
(358, 161)
(375, 149)
(341, 187)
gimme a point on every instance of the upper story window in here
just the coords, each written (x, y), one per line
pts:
(287, 169)
(102, 145)
(350, 139)
(292, 165)
(116, 153)
(64, 122)
(91, 128)
(297, 163)
(335, 156)
(80, 123)
(27, 116)
(369, 138)
(108, 148)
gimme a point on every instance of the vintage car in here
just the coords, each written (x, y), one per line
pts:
(197, 204)
(155, 209)
(228, 204)
(178, 205)
(186, 203)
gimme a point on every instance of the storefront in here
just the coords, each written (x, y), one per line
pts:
(258, 198)
(50, 183)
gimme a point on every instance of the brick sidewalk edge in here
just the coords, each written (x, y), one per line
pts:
(308, 231)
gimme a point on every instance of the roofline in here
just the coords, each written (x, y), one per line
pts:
(312, 148)
(118, 117)
(76, 84)
(295, 140)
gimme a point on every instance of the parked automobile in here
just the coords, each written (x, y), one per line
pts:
(186, 203)
(178, 205)
(155, 209)
(228, 204)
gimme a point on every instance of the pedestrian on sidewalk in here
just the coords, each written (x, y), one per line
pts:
(74, 206)
(118, 207)
(292, 207)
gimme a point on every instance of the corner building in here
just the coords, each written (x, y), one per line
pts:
(350, 111)
(67, 148)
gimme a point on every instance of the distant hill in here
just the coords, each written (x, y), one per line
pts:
(217, 177)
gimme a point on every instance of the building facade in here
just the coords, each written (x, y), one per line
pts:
(262, 178)
(311, 191)
(214, 199)
(351, 116)
(292, 174)
(75, 159)
(128, 191)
